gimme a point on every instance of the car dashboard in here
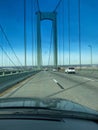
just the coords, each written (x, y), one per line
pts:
(47, 124)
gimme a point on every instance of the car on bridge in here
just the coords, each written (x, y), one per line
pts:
(54, 70)
(70, 70)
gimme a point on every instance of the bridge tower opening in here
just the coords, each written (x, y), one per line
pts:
(46, 16)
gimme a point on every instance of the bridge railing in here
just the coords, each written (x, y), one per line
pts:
(7, 80)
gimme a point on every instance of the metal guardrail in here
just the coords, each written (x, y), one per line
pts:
(8, 80)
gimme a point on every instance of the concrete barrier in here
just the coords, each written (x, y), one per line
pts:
(8, 80)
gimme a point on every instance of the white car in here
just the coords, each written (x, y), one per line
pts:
(54, 70)
(70, 70)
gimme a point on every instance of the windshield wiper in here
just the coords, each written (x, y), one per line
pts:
(29, 110)
(47, 111)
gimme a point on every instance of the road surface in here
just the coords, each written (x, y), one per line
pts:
(45, 84)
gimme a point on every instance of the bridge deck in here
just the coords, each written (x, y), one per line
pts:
(46, 84)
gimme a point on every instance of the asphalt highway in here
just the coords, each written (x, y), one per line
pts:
(82, 89)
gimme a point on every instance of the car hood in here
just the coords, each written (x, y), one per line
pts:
(56, 104)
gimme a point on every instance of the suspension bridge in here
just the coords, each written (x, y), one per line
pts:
(51, 45)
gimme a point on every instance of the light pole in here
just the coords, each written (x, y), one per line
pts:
(90, 53)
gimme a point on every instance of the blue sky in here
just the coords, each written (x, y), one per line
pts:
(11, 19)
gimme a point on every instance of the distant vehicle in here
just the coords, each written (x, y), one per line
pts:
(46, 69)
(70, 70)
(54, 70)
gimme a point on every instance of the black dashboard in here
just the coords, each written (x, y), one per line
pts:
(43, 124)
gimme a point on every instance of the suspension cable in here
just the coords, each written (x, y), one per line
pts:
(63, 31)
(58, 4)
(8, 56)
(79, 33)
(50, 43)
(25, 38)
(1, 49)
(69, 28)
(32, 17)
(9, 43)
(60, 40)
(38, 6)
(34, 7)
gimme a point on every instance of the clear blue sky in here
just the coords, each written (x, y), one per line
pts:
(11, 19)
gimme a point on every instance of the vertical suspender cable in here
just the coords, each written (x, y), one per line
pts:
(50, 44)
(57, 6)
(63, 32)
(1, 50)
(69, 28)
(38, 6)
(32, 17)
(25, 58)
(2, 57)
(79, 33)
(33, 9)
(34, 34)
(59, 38)
(35, 41)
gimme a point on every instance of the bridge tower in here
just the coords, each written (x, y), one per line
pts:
(46, 16)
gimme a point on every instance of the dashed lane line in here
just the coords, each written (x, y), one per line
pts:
(58, 83)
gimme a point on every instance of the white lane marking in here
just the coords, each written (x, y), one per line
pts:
(58, 84)
(88, 79)
(55, 80)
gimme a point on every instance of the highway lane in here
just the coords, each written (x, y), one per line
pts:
(39, 85)
(80, 89)
(46, 84)
(88, 73)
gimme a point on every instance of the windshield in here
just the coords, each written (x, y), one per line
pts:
(39, 40)
(71, 68)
